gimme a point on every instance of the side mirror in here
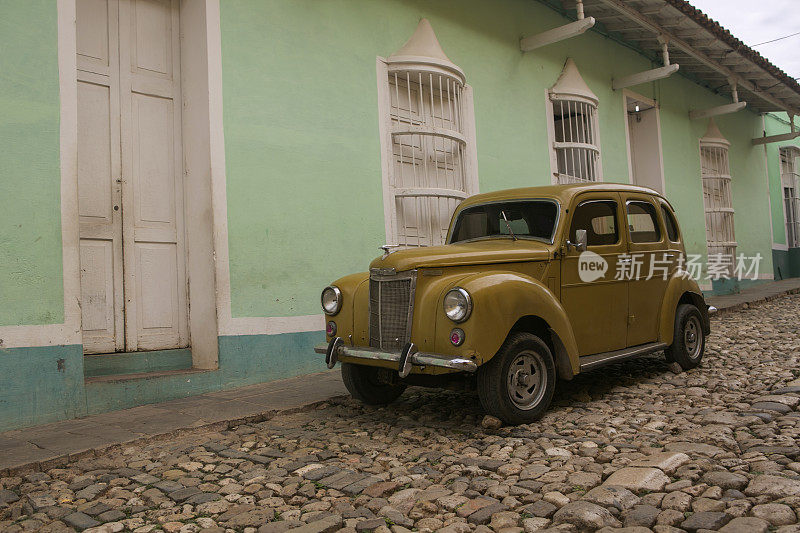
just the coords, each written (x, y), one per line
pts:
(580, 237)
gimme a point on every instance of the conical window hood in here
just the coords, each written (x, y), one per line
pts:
(423, 49)
(714, 136)
(570, 84)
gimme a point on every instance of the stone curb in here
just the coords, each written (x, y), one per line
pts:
(740, 306)
(221, 425)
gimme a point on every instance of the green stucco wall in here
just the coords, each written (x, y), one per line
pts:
(301, 131)
(30, 212)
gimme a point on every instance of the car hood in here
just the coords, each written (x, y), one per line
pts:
(479, 252)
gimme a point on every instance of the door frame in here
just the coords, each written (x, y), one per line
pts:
(649, 101)
(201, 80)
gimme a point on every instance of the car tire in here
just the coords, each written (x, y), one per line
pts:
(366, 384)
(689, 340)
(518, 383)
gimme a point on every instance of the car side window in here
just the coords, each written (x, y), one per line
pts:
(643, 222)
(670, 224)
(599, 219)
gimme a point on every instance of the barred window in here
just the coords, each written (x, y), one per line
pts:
(428, 139)
(717, 198)
(575, 154)
(791, 203)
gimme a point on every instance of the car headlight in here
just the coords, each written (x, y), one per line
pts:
(331, 299)
(457, 304)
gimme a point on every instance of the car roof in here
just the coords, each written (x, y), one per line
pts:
(562, 193)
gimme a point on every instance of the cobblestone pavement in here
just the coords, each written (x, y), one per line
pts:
(634, 445)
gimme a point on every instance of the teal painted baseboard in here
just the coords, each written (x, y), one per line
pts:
(733, 286)
(40, 385)
(131, 363)
(46, 384)
(243, 360)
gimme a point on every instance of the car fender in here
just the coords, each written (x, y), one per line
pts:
(352, 302)
(500, 299)
(680, 284)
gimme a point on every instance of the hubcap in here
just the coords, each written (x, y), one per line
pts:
(526, 380)
(692, 337)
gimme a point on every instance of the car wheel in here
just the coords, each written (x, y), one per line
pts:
(371, 385)
(689, 341)
(518, 383)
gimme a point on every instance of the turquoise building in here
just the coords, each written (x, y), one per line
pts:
(180, 178)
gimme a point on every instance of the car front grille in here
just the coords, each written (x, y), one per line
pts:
(391, 308)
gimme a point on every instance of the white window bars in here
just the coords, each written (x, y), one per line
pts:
(574, 136)
(427, 140)
(791, 202)
(428, 148)
(576, 147)
(716, 176)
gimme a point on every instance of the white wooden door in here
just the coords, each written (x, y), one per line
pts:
(645, 149)
(133, 279)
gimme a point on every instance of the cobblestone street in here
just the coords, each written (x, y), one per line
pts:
(634, 445)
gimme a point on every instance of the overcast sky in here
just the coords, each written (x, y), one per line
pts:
(756, 21)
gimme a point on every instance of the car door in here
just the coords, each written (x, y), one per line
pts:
(596, 303)
(650, 263)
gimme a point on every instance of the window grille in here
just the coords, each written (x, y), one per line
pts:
(429, 117)
(791, 202)
(576, 145)
(717, 198)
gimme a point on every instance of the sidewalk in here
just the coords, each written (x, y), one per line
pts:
(757, 293)
(43, 446)
(50, 444)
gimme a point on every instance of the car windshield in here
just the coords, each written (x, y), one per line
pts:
(526, 219)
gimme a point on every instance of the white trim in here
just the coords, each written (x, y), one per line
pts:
(70, 331)
(275, 325)
(551, 137)
(219, 200)
(199, 21)
(384, 102)
(778, 246)
(769, 192)
(473, 182)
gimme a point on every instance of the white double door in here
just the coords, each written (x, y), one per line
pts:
(133, 273)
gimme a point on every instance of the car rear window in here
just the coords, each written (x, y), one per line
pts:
(670, 224)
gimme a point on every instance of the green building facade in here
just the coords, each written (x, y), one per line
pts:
(271, 121)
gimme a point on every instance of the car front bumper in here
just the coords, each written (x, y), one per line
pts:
(405, 359)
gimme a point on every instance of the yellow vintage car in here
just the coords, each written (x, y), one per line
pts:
(534, 284)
